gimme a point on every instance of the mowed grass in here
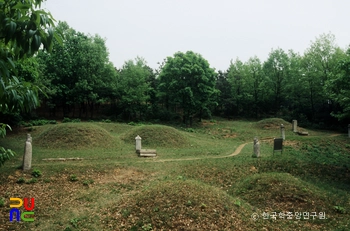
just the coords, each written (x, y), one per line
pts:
(193, 183)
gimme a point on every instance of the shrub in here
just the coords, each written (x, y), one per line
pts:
(32, 181)
(2, 202)
(66, 120)
(36, 173)
(87, 182)
(73, 178)
(21, 180)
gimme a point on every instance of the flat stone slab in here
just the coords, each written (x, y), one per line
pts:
(62, 159)
(303, 133)
(148, 155)
(148, 152)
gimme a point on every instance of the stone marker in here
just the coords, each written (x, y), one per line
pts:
(138, 143)
(256, 148)
(27, 157)
(349, 130)
(277, 145)
(282, 132)
(303, 133)
(295, 126)
(148, 152)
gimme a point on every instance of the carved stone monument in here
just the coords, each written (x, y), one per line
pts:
(277, 145)
(256, 148)
(138, 143)
(27, 157)
(283, 132)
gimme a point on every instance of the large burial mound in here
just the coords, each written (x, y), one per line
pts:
(154, 136)
(176, 205)
(281, 192)
(272, 123)
(74, 136)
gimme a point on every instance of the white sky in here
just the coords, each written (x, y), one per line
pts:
(219, 30)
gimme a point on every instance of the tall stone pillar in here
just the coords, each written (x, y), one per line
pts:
(27, 157)
(295, 126)
(138, 143)
(256, 148)
(283, 132)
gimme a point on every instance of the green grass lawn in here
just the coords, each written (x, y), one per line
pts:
(193, 183)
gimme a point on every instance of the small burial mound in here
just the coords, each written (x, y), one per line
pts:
(271, 123)
(176, 205)
(281, 192)
(74, 136)
(154, 136)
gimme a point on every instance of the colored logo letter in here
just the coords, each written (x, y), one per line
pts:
(27, 213)
(17, 214)
(31, 204)
(16, 199)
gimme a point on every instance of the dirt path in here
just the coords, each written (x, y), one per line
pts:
(236, 152)
(335, 135)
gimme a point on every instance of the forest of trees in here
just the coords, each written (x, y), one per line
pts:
(78, 81)
(51, 70)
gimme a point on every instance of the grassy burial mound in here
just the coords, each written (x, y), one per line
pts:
(281, 192)
(75, 136)
(154, 136)
(177, 205)
(272, 123)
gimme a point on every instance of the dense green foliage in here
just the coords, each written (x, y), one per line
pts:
(77, 73)
(188, 82)
(133, 88)
(79, 76)
(80, 81)
(24, 28)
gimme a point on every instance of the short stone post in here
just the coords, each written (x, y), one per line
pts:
(27, 157)
(256, 148)
(349, 130)
(138, 143)
(295, 126)
(282, 132)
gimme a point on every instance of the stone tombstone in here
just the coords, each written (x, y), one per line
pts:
(138, 143)
(27, 157)
(256, 148)
(283, 135)
(349, 130)
(277, 145)
(295, 125)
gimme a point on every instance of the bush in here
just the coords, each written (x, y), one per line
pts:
(32, 181)
(36, 173)
(73, 178)
(21, 180)
(2, 202)
(66, 120)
